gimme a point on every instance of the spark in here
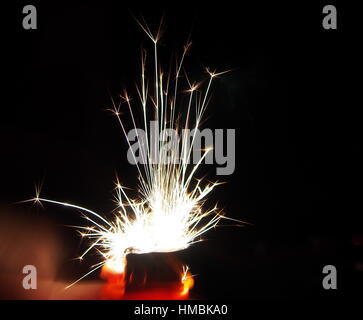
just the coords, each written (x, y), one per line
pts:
(169, 213)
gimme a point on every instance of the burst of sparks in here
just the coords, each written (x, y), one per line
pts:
(169, 213)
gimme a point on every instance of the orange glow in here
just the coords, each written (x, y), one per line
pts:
(115, 288)
(160, 293)
(188, 283)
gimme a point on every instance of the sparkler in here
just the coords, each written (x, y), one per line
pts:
(169, 213)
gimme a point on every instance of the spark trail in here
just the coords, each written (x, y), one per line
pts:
(169, 213)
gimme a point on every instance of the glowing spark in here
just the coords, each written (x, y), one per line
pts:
(169, 214)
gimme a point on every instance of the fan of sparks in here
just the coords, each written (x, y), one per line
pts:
(168, 215)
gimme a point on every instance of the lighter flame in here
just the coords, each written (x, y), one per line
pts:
(186, 280)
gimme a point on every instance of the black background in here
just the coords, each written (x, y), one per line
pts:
(290, 97)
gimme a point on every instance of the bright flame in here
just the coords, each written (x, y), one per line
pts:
(169, 213)
(186, 280)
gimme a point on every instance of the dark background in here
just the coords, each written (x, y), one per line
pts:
(291, 98)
